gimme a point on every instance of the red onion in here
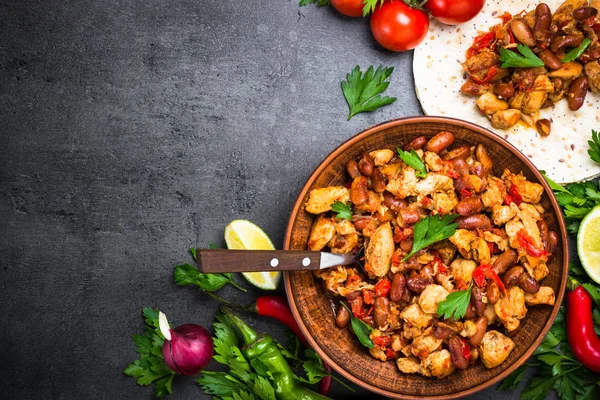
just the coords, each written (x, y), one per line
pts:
(187, 349)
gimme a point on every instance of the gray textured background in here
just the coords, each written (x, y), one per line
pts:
(132, 130)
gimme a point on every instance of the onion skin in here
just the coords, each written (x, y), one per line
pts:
(190, 349)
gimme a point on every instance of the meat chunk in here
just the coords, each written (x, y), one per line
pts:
(431, 297)
(530, 192)
(321, 199)
(533, 101)
(333, 277)
(494, 193)
(345, 238)
(592, 72)
(415, 316)
(510, 309)
(462, 270)
(434, 183)
(505, 119)
(411, 365)
(472, 88)
(489, 103)
(503, 214)
(379, 251)
(495, 348)
(471, 246)
(439, 363)
(568, 71)
(481, 62)
(381, 157)
(321, 233)
(404, 184)
(443, 202)
(424, 345)
(544, 296)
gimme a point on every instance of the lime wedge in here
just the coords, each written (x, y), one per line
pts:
(241, 234)
(588, 244)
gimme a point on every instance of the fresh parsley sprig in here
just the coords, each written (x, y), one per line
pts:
(594, 150)
(412, 159)
(343, 210)
(360, 329)
(186, 274)
(575, 53)
(455, 305)
(320, 3)
(525, 60)
(432, 229)
(362, 92)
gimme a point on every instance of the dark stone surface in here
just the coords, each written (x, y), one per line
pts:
(132, 130)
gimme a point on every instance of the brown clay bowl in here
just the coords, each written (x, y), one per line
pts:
(339, 347)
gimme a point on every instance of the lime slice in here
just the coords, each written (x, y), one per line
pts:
(244, 235)
(588, 243)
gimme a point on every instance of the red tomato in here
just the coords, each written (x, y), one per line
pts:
(351, 8)
(398, 27)
(454, 12)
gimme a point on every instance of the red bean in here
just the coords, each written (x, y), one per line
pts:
(397, 289)
(482, 324)
(366, 164)
(416, 144)
(440, 142)
(381, 311)
(474, 221)
(352, 169)
(343, 317)
(358, 191)
(458, 359)
(469, 206)
(505, 260)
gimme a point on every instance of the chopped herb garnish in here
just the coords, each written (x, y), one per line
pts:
(344, 211)
(524, 60)
(432, 229)
(412, 159)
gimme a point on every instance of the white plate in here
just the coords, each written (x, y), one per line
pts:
(439, 76)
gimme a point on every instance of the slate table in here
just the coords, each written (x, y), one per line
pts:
(132, 130)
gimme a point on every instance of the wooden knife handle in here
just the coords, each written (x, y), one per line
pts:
(221, 260)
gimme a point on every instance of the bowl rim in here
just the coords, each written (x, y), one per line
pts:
(462, 124)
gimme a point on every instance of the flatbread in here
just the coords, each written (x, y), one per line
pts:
(439, 76)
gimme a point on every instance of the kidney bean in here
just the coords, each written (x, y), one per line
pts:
(366, 164)
(416, 144)
(397, 288)
(467, 182)
(469, 206)
(458, 152)
(492, 292)
(352, 169)
(482, 155)
(441, 332)
(361, 223)
(543, 21)
(550, 59)
(392, 202)
(522, 32)
(480, 171)
(477, 300)
(470, 313)
(460, 166)
(513, 276)
(369, 320)
(571, 40)
(406, 244)
(552, 242)
(440, 142)
(378, 180)
(343, 317)
(408, 217)
(577, 92)
(358, 191)
(482, 324)
(528, 284)
(418, 283)
(458, 359)
(474, 221)
(381, 311)
(543, 228)
(505, 260)
(504, 90)
(583, 13)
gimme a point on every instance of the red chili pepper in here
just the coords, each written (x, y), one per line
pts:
(464, 193)
(441, 267)
(368, 296)
(398, 235)
(527, 242)
(277, 307)
(466, 350)
(390, 353)
(481, 42)
(484, 271)
(382, 341)
(514, 192)
(382, 288)
(492, 72)
(583, 341)
(493, 248)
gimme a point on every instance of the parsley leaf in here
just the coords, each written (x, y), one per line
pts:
(360, 329)
(150, 367)
(344, 211)
(455, 305)
(594, 151)
(320, 3)
(432, 229)
(575, 53)
(186, 274)
(362, 92)
(512, 381)
(370, 5)
(524, 60)
(412, 159)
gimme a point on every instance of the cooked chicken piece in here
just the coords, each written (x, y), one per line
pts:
(414, 315)
(469, 329)
(431, 297)
(473, 182)
(510, 309)
(497, 236)
(381, 157)
(462, 271)
(390, 171)
(592, 72)
(516, 102)
(530, 210)
(523, 79)
(434, 183)
(445, 280)
(494, 193)
(321, 199)
(530, 192)
(436, 164)
(505, 119)
(543, 84)
(503, 214)
(481, 62)
(529, 19)
(411, 332)
(568, 71)
(495, 348)
(393, 320)
(536, 267)
(345, 239)
(398, 342)
(512, 227)
(544, 296)
(563, 16)
(489, 103)
(321, 233)
(411, 365)
(377, 353)
(560, 89)
(471, 246)
(439, 363)
(532, 102)
(379, 251)
(333, 277)
(490, 313)
(573, 4)
(424, 345)
(405, 184)
(373, 203)
(446, 251)
(443, 202)
(472, 88)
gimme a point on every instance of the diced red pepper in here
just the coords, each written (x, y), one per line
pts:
(493, 248)
(527, 242)
(479, 274)
(441, 267)
(464, 193)
(482, 41)
(382, 288)
(398, 235)
(466, 350)
(368, 296)
(382, 341)
(352, 279)
(514, 193)
(357, 309)
(397, 257)
(390, 354)
(492, 72)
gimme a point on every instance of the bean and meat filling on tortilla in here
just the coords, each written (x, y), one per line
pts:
(533, 60)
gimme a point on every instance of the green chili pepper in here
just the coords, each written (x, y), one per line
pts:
(263, 348)
(575, 53)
